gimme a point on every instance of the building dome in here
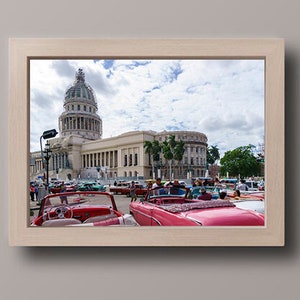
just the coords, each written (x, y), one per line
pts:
(80, 111)
(80, 90)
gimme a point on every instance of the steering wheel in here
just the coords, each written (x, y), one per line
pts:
(60, 212)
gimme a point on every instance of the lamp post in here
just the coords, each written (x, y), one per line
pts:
(47, 156)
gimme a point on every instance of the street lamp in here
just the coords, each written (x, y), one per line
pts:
(48, 134)
(47, 156)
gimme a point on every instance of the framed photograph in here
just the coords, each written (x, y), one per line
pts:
(87, 116)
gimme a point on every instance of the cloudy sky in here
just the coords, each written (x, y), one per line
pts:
(222, 98)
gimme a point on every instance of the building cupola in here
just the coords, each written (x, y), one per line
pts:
(80, 111)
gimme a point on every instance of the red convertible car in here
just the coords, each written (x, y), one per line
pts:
(80, 209)
(172, 207)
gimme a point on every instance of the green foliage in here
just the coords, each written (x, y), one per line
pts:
(240, 161)
(156, 147)
(179, 150)
(167, 151)
(170, 149)
(212, 154)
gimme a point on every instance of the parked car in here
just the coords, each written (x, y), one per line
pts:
(80, 209)
(164, 207)
(70, 187)
(117, 189)
(252, 185)
(91, 186)
(140, 190)
(55, 187)
(250, 204)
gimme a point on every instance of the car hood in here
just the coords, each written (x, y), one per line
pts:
(216, 213)
(224, 216)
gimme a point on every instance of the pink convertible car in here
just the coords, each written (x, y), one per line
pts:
(171, 207)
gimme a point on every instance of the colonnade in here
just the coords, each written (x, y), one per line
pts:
(59, 161)
(104, 159)
(81, 123)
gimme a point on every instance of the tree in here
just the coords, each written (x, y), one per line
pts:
(168, 154)
(149, 150)
(212, 154)
(179, 152)
(153, 149)
(240, 162)
(172, 149)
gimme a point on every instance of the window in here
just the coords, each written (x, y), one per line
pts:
(125, 160)
(135, 159)
(78, 107)
(130, 159)
(84, 107)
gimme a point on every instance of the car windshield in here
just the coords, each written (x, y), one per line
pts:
(82, 198)
(167, 191)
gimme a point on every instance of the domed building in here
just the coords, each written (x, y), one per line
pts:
(80, 152)
(80, 111)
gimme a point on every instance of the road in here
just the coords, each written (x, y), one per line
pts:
(123, 203)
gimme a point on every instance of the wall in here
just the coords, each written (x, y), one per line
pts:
(129, 273)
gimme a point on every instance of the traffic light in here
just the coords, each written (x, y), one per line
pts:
(48, 134)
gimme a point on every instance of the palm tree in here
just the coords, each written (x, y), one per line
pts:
(166, 151)
(172, 149)
(153, 149)
(179, 152)
(213, 154)
(149, 150)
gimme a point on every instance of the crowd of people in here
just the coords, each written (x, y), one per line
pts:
(204, 194)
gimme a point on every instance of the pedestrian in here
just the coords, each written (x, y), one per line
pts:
(223, 194)
(36, 191)
(132, 189)
(32, 192)
(204, 195)
(157, 183)
(237, 194)
(63, 199)
(175, 188)
(242, 185)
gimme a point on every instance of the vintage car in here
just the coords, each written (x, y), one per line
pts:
(57, 186)
(91, 186)
(172, 207)
(259, 195)
(140, 190)
(117, 189)
(254, 204)
(80, 209)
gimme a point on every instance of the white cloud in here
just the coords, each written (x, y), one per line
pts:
(222, 98)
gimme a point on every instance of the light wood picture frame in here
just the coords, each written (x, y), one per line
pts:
(23, 49)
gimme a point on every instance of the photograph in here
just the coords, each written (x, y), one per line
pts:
(164, 142)
(147, 142)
